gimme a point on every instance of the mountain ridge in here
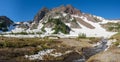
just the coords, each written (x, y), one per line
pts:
(67, 21)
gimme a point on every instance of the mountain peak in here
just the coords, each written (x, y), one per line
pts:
(40, 14)
(70, 6)
(70, 9)
(44, 9)
(66, 9)
(5, 18)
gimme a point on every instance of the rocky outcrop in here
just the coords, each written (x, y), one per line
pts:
(40, 14)
(66, 19)
(71, 10)
(6, 19)
(68, 9)
(23, 25)
(91, 18)
(5, 22)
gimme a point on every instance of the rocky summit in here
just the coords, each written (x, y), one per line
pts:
(40, 14)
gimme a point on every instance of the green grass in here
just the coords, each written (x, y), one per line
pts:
(16, 48)
(20, 43)
(81, 35)
(43, 29)
(113, 26)
(23, 33)
(117, 37)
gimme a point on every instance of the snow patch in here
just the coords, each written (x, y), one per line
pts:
(56, 54)
(22, 36)
(40, 55)
(56, 17)
(97, 32)
(68, 24)
(64, 14)
(16, 30)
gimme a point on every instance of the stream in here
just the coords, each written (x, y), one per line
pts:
(88, 52)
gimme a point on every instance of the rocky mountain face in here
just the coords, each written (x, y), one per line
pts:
(40, 14)
(67, 9)
(5, 23)
(65, 20)
(63, 14)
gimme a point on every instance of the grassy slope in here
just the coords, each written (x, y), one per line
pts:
(117, 37)
(115, 27)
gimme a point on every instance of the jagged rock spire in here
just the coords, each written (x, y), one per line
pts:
(40, 14)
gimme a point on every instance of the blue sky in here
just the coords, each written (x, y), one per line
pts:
(24, 10)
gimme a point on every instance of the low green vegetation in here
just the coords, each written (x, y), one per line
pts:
(23, 33)
(116, 43)
(117, 37)
(43, 29)
(20, 43)
(59, 26)
(81, 35)
(91, 40)
(112, 27)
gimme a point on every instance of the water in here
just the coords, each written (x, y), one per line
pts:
(92, 51)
